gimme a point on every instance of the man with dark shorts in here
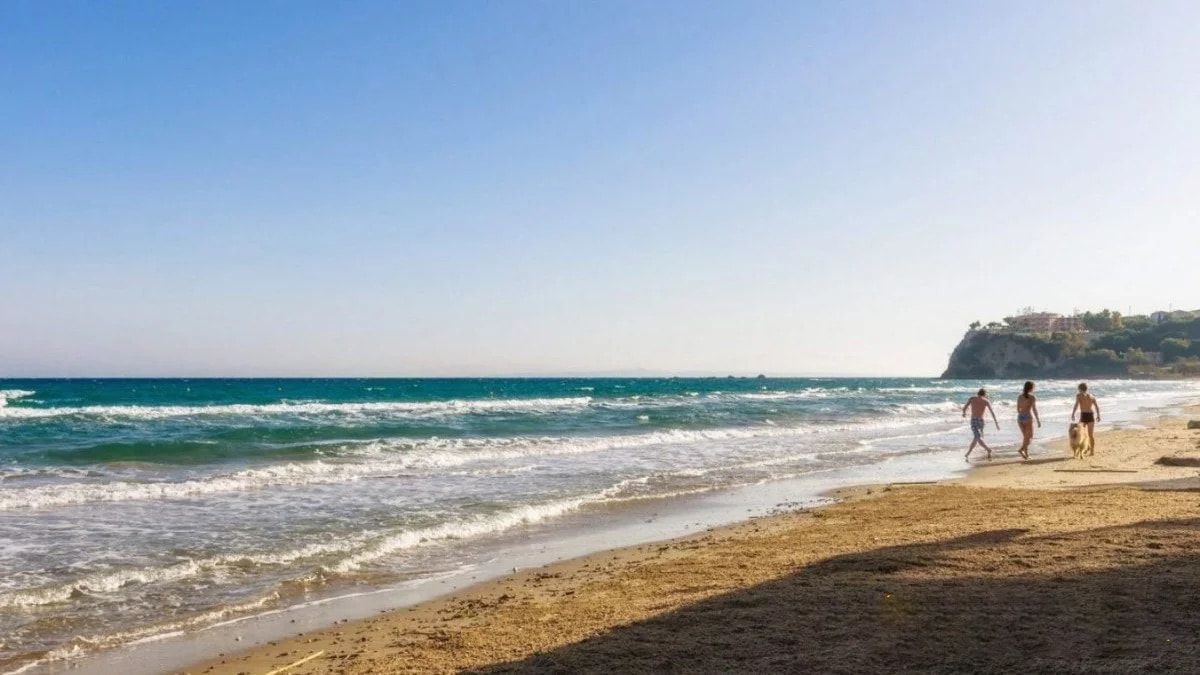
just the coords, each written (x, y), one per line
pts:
(1089, 412)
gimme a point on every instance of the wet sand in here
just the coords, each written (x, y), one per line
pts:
(1053, 565)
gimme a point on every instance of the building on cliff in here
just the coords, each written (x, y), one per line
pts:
(1047, 322)
(1176, 315)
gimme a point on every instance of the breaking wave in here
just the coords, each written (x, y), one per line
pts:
(7, 395)
(413, 408)
(392, 458)
(348, 553)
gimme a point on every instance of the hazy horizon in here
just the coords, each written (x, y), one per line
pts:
(583, 375)
(460, 189)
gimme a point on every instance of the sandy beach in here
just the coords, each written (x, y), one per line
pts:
(1052, 565)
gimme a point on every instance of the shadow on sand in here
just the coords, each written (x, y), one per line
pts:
(1022, 462)
(1116, 600)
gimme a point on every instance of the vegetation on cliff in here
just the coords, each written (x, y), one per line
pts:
(1110, 346)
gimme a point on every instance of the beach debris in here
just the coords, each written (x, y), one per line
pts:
(1194, 424)
(293, 664)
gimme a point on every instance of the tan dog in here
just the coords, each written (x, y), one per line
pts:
(1080, 443)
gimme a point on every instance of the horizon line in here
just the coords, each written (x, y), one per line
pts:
(530, 376)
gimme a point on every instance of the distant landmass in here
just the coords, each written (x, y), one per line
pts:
(1093, 344)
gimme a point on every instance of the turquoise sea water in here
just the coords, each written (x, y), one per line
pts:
(131, 508)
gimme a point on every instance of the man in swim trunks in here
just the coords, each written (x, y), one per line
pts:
(1089, 412)
(979, 404)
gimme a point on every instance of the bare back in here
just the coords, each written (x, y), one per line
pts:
(1025, 402)
(979, 405)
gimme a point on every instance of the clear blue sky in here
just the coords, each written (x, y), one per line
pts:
(387, 188)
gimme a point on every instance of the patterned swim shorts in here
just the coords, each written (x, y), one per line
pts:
(977, 426)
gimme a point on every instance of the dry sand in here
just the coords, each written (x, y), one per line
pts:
(1095, 570)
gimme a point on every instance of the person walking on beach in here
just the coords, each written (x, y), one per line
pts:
(978, 404)
(1027, 412)
(1089, 412)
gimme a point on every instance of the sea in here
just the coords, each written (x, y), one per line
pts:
(132, 509)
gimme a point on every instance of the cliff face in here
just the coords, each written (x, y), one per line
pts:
(1169, 349)
(985, 355)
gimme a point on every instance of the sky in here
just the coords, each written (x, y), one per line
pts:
(299, 188)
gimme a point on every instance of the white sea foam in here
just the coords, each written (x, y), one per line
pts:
(380, 459)
(505, 520)
(528, 514)
(159, 631)
(7, 395)
(81, 646)
(410, 408)
(934, 408)
(113, 581)
(296, 473)
(101, 582)
(949, 387)
(15, 473)
(811, 392)
(384, 459)
(351, 551)
(59, 654)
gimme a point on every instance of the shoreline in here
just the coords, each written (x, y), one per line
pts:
(458, 631)
(574, 536)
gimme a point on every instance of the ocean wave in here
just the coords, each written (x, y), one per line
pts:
(81, 646)
(398, 457)
(931, 389)
(691, 398)
(22, 473)
(360, 549)
(116, 580)
(523, 515)
(814, 392)
(414, 408)
(350, 552)
(7, 395)
(377, 459)
(296, 473)
(104, 582)
(930, 408)
(496, 523)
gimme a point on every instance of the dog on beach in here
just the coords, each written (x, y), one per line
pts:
(1080, 443)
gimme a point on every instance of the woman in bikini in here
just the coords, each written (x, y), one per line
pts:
(1027, 412)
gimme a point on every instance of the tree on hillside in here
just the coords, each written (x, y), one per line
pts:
(1103, 356)
(1103, 321)
(1136, 322)
(1137, 357)
(975, 325)
(1070, 345)
(1118, 341)
(1174, 348)
(1187, 367)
